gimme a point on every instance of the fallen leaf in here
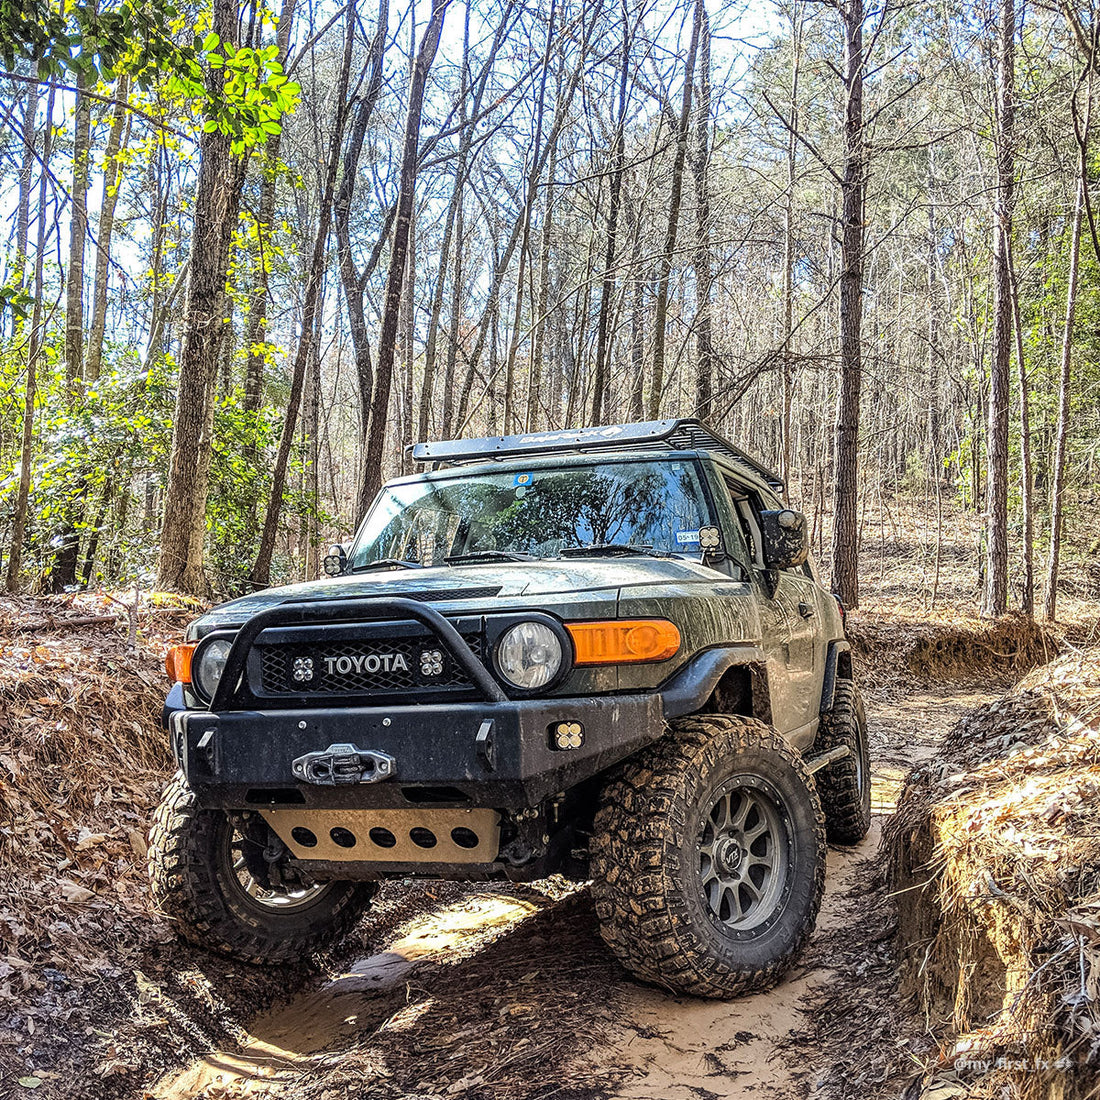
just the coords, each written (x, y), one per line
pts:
(74, 893)
(89, 840)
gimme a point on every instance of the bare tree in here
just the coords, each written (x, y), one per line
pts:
(34, 348)
(845, 571)
(682, 131)
(260, 576)
(704, 273)
(995, 591)
(797, 25)
(376, 432)
(1057, 474)
(120, 125)
(217, 199)
(618, 163)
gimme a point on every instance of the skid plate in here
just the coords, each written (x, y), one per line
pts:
(460, 836)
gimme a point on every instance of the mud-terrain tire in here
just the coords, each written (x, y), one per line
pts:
(845, 785)
(666, 848)
(195, 885)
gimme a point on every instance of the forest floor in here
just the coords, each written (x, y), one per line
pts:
(443, 990)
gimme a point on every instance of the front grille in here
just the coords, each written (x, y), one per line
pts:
(375, 666)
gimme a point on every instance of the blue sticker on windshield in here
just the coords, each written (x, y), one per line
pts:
(687, 538)
(522, 479)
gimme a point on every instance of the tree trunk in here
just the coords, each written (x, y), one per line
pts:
(26, 173)
(78, 230)
(34, 346)
(457, 306)
(638, 279)
(408, 338)
(1027, 484)
(354, 282)
(376, 433)
(1057, 476)
(618, 163)
(704, 276)
(431, 344)
(257, 305)
(511, 418)
(221, 176)
(660, 320)
(935, 429)
(995, 591)
(845, 571)
(534, 394)
(561, 111)
(260, 576)
(120, 125)
(789, 246)
(311, 432)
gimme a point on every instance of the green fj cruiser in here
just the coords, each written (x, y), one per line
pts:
(601, 653)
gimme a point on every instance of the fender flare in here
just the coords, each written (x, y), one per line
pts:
(687, 691)
(832, 671)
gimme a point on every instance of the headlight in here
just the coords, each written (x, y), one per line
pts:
(529, 655)
(207, 671)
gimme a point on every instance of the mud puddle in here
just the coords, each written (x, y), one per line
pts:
(284, 1041)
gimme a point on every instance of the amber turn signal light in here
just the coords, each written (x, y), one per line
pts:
(177, 662)
(622, 641)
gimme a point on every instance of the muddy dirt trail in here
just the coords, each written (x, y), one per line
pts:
(507, 993)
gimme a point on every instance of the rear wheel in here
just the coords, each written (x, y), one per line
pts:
(708, 858)
(845, 785)
(210, 876)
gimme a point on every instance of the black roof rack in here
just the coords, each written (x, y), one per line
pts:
(680, 434)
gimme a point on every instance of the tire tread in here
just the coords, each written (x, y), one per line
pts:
(641, 810)
(184, 886)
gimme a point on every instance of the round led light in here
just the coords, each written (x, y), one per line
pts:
(529, 655)
(207, 670)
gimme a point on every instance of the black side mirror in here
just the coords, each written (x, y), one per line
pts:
(785, 542)
(335, 561)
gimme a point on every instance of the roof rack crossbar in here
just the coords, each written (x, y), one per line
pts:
(677, 434)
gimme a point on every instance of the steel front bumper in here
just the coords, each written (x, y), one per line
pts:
(498, 754)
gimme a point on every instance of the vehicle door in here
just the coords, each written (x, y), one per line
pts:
(790, 634)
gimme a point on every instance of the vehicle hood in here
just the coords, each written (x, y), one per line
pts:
(484, 587)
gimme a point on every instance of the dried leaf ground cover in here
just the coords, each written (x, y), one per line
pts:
(98, 999)
(995, 857)
(94, 991)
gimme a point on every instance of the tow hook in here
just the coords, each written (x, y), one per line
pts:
(344, 765)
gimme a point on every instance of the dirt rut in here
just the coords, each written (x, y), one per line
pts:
(636, 1043)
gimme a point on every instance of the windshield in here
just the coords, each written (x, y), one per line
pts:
(653, 506)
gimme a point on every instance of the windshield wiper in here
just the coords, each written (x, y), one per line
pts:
(386, 563)
(488, 555)
(610, 550)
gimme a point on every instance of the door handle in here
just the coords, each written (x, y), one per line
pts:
(806, 610)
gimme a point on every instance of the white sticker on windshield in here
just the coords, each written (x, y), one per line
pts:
(687, 538)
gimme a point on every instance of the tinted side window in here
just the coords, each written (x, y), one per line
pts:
(744, 525)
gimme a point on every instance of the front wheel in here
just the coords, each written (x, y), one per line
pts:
(210, 877)
(708, 858)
